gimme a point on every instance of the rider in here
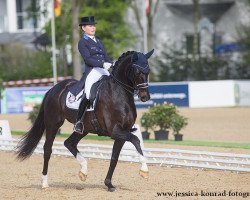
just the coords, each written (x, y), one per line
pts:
(96, 61)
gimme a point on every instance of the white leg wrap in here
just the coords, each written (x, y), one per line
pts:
(144, 166)
(83, 163)
(45, 181)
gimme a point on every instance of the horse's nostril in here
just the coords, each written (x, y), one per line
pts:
(143, 99)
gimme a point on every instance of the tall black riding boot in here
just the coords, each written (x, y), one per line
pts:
(80, 115)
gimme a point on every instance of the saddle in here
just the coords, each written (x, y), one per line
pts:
(76, 88)
(74, 95)
(73, 102)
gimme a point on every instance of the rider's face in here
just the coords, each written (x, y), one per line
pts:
(89, 29)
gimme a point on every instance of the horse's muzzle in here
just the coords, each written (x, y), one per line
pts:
(143, 92)
(144, 95)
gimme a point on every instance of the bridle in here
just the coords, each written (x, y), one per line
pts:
(132, 90)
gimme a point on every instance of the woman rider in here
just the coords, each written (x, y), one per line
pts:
(96, 61)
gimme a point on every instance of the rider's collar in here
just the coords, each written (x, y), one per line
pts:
(86, 36)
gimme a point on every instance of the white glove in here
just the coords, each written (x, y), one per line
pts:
(107, 65)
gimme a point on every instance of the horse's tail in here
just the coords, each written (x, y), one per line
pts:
(30, 140)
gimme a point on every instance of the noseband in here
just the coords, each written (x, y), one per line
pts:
(142, 86)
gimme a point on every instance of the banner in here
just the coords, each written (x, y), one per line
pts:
(21, 100)
(168, 93)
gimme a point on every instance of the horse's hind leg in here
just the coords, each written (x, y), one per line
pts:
(71, 145)
(50, 137)
(118, 144)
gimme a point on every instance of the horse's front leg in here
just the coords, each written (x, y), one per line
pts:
(71, 145)
(136, 142)
(118, 144)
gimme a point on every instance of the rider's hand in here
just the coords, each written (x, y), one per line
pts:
(107, 65)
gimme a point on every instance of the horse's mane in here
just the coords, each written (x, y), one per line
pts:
(121, 58)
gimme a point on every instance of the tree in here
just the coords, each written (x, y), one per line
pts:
(150, 15)
(76, 7)
(24, 63)
(196, 18)
(175, 65)
(243, 39)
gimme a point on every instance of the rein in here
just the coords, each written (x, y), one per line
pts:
(123, 85)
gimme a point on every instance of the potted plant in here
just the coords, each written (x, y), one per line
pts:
(178, 122)
(146, 123)
(161, 119)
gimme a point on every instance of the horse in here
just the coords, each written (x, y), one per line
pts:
(115, 113)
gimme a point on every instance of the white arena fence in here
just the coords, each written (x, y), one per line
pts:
(155, 156)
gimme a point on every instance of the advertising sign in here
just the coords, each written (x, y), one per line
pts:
(176, 93)
(211, 94)
(20, 100)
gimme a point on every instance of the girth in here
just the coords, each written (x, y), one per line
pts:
(95, 123)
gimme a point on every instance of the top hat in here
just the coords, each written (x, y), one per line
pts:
(89, 20)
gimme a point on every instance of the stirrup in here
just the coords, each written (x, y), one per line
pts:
(78, 127)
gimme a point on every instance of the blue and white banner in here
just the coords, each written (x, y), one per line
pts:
(176, 93)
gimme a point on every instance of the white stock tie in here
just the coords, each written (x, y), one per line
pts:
(93, 38)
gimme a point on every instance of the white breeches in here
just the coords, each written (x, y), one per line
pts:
(94, 75)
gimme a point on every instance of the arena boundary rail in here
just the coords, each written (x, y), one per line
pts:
(155, 156)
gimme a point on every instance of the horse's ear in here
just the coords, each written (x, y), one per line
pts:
(134, 57)
(149, 54)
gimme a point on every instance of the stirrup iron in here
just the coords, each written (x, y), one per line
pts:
(77, 129)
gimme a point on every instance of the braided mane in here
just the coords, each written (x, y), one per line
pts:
(121, 58)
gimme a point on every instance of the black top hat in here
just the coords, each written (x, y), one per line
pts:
(89, 20)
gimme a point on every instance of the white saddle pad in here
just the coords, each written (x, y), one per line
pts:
(73, 102)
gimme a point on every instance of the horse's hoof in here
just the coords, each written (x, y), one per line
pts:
(44, 187)
(82, 176)
(111, 189)
(144, 174)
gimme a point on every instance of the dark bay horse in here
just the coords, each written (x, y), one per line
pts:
(115, 111)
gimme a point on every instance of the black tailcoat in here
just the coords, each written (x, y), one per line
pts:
(93, 53)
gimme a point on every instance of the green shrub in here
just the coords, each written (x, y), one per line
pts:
(161, 115)
(146, 121)
(33, 114)
(178, 122)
